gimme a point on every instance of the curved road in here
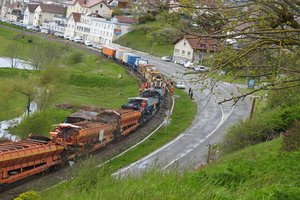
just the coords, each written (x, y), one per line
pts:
(190, 148)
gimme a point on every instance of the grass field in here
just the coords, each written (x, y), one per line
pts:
(92, 81)
(145, 43)
(258, 172)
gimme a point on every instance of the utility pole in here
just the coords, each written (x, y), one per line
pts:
(209, 153)
(252, 108)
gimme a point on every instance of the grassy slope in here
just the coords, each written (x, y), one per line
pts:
(258, 172)
(92, 82)
(145, 43)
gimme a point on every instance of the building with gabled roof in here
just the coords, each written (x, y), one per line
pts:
(12, 11)
(97, 29)
(191, 48)
(72, 21)
(90, 6)
(45, 12)
(29, 13)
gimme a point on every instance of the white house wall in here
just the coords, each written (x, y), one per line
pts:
(183, 50)
(28, 17)
(40, 17)
(70, 28)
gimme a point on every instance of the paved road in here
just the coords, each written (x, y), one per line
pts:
(190, 148)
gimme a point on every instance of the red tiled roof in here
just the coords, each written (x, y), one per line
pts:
(32, 7)
(76, 16)
(51, 8)
(14, 5)
(127, 20)
(89, 3)
(203, 43)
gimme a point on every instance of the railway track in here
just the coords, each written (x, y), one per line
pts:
(45, 180)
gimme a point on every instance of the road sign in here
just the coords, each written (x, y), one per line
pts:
(251, 83)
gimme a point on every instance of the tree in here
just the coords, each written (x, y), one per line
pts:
(26, 87)
(259, 38)
(38, 56)
(13, 52)
(42, 55)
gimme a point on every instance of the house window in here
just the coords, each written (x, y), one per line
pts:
(101, 5)
(184, 43)
(188, 53)
(183, 52)
(176, 51)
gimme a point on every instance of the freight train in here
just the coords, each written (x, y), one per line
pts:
(85, 131)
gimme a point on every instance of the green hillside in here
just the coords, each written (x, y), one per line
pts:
(149, 38)
(258, 172)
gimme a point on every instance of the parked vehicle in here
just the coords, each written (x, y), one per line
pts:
(67, 37)
(180, 85)
(188, 64)
(166, 58)
(88, 43)
(78, 40)
(44, 31)
(181, 62)
(201, 68)
(71, 38)
(97, 46)
(58, 34)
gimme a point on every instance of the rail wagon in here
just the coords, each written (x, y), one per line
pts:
(86, 131)
(27, 157)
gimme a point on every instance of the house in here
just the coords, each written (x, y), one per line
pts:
(192, 49)
(96, 28)
(45, 12)
(89, 6)
(29, 13)
(71, 23)
(107, 31)
(56, 25)
(12, 11)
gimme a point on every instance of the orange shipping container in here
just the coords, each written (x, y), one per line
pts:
(109, 51)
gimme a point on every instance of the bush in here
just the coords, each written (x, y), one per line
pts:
(291, 138)
(40, 123)
(146, 18)
(261, 128)
(31, 195)
(75, 58)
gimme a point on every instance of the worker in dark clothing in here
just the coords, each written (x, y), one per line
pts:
(191, 94)
(190, 90)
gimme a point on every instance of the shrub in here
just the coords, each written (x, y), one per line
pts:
(75, 58)
(146, 18)
(261, 128)
(40, 123)
(291, 138)
(30, 195)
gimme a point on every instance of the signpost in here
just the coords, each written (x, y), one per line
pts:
(251, 83)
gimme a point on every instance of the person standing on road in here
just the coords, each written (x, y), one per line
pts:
(190, 90)
(191, 94)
